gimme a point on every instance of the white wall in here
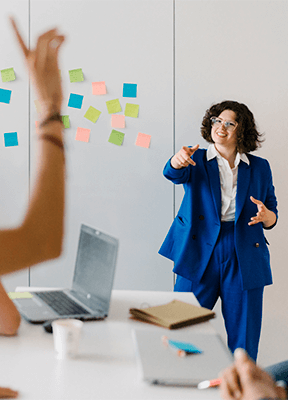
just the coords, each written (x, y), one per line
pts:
(223, 50)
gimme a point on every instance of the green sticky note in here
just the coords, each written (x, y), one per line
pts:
(113, 106)
(20, 295)
(116, 137)
(76, 75)
(131, 110)
(8, 75)
(92, 114)
(66, 122)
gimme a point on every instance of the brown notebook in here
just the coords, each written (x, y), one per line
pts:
(172, 315)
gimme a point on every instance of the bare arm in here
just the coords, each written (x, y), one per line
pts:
(40, 236)
(9, 316)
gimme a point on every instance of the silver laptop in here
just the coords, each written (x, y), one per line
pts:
(159, 364)
(89, 298)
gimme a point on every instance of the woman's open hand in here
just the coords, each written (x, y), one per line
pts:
(42, 63)
(183, 157)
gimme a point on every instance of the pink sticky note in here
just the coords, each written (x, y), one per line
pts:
(83, 134)
(98, 88)
(143, 140)
(117, 121)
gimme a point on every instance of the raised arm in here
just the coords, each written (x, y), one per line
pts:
(40, 236)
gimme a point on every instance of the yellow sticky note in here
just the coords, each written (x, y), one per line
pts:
(76, 75)
(131, 110)
(20, 295)
(92, 114)
(8, 75)
(113, 106)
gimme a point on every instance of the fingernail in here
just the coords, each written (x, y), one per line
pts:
(239, 353)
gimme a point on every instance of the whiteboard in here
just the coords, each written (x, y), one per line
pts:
(117, 189)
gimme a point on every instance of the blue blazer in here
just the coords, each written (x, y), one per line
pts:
(194, 232)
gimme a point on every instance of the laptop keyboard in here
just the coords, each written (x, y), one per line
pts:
(61, 303)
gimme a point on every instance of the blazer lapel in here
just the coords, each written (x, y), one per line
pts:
(243, 181)
(214, 180)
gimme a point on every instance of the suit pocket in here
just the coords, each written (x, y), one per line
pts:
(181, 220)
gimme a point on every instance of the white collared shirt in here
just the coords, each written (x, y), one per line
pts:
(228, 181)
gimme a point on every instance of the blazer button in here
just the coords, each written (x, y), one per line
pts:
(257, 245)
(194, 237)
(201, 217)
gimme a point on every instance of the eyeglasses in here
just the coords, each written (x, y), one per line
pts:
(229, 126)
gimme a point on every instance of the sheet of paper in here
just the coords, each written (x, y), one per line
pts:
(5, 96)
(20, 295)
(116, 137)
(92, 114)
(129, 90)
(10, 139)
(83, 135)
(76, 75)
(99, 88)
(75, 100)
(131, 110)
(117, 121)
(113, 106)
(143, 140)
(8, 75)
(66, 122)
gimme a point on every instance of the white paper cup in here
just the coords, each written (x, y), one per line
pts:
(66, 334)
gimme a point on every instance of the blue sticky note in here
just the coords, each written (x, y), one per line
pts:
(5, 96)
(129, 90)
(10, 139)
(187, 347)
(75, 100)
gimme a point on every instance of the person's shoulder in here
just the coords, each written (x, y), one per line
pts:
(256, 159)
(199, 154)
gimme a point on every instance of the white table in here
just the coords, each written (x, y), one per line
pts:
(106, 366)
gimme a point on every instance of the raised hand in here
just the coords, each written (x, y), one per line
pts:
(183, 157)
(246, 381)
(42, 63)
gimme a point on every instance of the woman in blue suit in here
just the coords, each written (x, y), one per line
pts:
(217, 241)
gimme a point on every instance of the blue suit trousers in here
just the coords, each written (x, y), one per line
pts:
(241, 309)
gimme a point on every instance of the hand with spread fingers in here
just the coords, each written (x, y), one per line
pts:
(42, 63)
(267, 217)
(183, 157)
(244, 380)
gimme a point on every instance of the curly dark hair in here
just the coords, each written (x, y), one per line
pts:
(248, 137)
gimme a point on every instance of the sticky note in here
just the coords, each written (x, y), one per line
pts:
(185, 346)
(37, 106)
(131, 110)
(116, 137)
(117, 121)
(66, 122)
(83, 134)
(98, 88)
(143, 140)
(92, 114)
(8, 75)
(10, 139)
(5, 96)
(20, 295)
(129, 90)
(76, 75)
(75, 100)
(113, 106)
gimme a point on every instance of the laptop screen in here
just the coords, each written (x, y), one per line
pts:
(95, 266)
